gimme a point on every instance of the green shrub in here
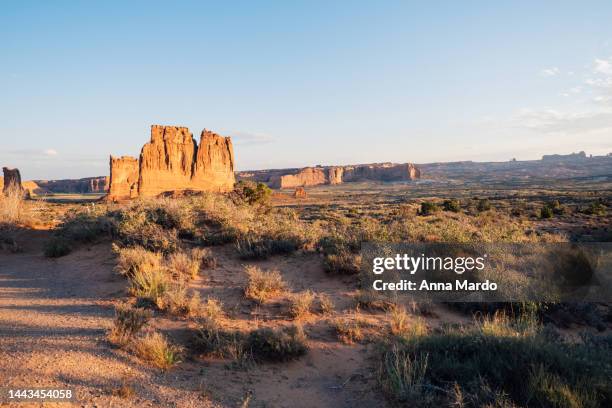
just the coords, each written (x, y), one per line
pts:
(483, 205)
(546, 212)
(262, 248)
(428, 208)
(595, 208)
(252, 193)
(451, 205)
(495, 364)
(277, 345)
(57, 247)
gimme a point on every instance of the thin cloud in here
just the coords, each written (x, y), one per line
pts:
(549, 72)
(603, 66)
(51, 152)
(553, 121)
(250, 138)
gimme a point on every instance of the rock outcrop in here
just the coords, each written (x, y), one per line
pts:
(312, 176)
(299, 192)
(73, 186)
(12, 181)
(124, 178)
(172, 161)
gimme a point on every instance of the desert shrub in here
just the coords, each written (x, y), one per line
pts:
(132, 259)
(85, 226)
(149, 284)
(212, 309)
(370, 299)
(177, 300)
(128, 322)
(483, 205)
(350, 330)
(262, 285)
(252, 193)
(326, 304)
(153, 227)
(399, 320)
(451, 205)
(57, 247)
(342, 263)
(185, 265)
(501, 365)
(12, 206)
(595, 208)
(210, 338)
(428, 208)
(264, 247)
(546, 212)
(157, 350)
(207, 260)
(301, 304)
(277, 345)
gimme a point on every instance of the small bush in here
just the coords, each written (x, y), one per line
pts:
(428, 208)
(301, 303)
(261, 285)
(399, 321)
(185, 265)
(150, 284)
(85, 226)
(451, 205)
(350, 330)
(342, 263)
(212, 309)
(595, 208)
(483, 205)
(326, 304)
(264, 247)
(207, 260)
(128, 322)
(177, 301)
(546, 212)
(277, 345)
(57, 247)
(252, 193)
(156, 349)
(134, 259)
(211, 339)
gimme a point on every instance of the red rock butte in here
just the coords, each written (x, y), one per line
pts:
(173, 161)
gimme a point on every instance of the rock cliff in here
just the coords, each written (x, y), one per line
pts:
(172, 161)
(72, 186)
(124, 178)
(312, 176)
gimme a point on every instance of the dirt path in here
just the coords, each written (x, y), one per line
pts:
(54, 315)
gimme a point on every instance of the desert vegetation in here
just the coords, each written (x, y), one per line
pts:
(250, 281)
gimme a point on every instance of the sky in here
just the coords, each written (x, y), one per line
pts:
(298, 83)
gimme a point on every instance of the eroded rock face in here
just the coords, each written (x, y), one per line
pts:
(12, 180)
(308, 176)
(123, 178)
(173, 162)
(73, 186)
(299, 192)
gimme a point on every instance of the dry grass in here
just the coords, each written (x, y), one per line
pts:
(150, 284)
(212, 309)
(326, 304)
(157, 350)
(185, 265)
(128, 322)
(12, 207)
(277, 344)
(350, 330)
(301, 304)
(130, 260)
(179, 302)
(263, 285)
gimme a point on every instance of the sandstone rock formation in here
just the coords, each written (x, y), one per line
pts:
(12, 180)
(73, 186)
(299, 192)
(312, 176)
(123, 178)
(308, 176)
(173, 161)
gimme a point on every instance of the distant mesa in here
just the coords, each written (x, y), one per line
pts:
(565, 157)
(313, 176)
(172, 162)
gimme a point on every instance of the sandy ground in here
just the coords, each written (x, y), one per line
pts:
(54, 315)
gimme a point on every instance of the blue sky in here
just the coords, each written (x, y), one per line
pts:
(304, 83)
